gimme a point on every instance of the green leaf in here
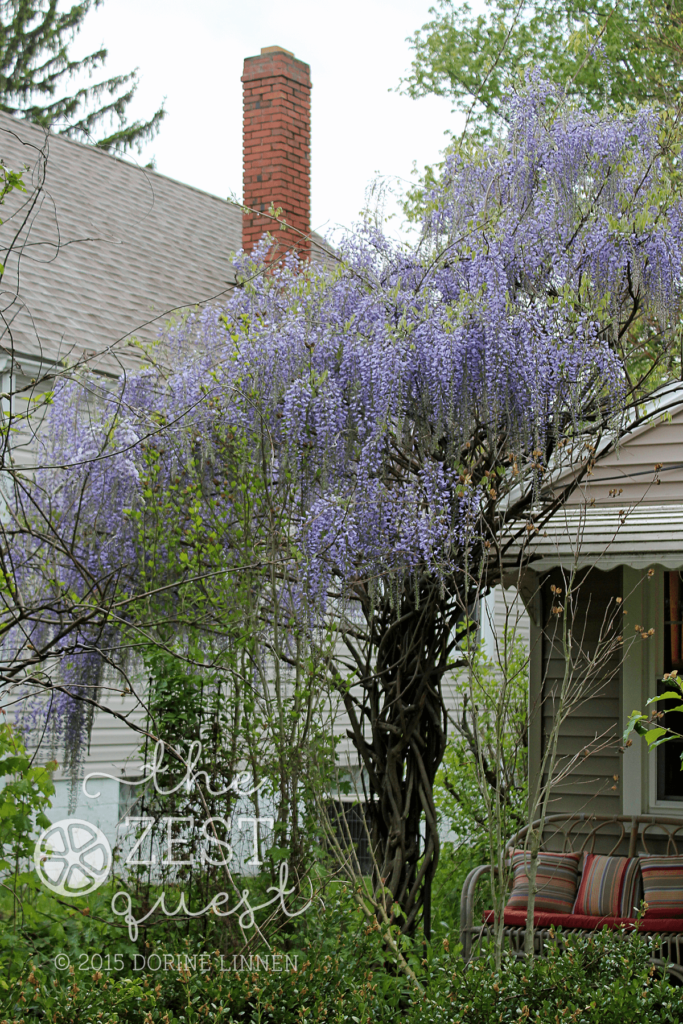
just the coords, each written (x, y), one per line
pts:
(635, 724)
(652, 735)
(278, 853)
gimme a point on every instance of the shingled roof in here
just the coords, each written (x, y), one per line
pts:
(99, 250)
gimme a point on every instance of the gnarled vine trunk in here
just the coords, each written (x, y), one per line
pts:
(399, 727)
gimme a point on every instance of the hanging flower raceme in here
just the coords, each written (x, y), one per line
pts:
(392, 395)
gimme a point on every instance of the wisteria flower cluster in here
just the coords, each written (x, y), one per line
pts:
(400, 395)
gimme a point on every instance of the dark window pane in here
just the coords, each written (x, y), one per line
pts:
(352, 831)
(669, 774)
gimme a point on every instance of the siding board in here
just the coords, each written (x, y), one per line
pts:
(631, 467)
(591, 781)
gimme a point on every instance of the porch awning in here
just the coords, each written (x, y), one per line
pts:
(637, 535)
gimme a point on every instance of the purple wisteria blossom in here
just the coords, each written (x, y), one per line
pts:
(411, 399)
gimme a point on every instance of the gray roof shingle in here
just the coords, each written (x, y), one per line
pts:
(103, 251)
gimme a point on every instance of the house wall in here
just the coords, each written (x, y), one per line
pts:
(630, 470)
(626, 518)
(594, 783)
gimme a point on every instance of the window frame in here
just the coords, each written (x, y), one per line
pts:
(653, 669)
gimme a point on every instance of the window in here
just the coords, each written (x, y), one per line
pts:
(130, 797)
(352, 831)
(673, 656)
(669, 773)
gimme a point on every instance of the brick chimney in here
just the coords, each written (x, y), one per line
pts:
(277, 147)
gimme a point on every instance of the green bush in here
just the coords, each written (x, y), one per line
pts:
(473, 739)
(345, 974)
(462, 809)
(67, 961)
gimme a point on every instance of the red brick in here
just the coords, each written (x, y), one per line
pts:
(277, 147)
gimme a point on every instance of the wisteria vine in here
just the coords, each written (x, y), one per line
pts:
(369, 388)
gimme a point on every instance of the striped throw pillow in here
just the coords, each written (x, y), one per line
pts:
(609, 887)
(663, 885)
(556, 878)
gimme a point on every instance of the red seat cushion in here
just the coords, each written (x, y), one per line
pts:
(543, 919)
(661, 924)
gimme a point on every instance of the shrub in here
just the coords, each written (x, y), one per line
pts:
(344, 974)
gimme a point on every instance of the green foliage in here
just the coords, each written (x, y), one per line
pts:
(224, 663)
(481, 789)
(35, 63)
(9, 181)
(482, 754)
(606, 978)
(68, 963)
(624, 54)
(455, 863)
(243, 742)
(92, 998)
(24, 797)
(652, 726)
(35, 923)
(340, 971)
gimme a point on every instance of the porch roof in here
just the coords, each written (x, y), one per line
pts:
(637, 535)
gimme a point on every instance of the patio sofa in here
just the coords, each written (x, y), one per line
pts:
(591, 862)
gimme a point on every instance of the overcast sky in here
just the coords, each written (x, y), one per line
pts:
(192, 54)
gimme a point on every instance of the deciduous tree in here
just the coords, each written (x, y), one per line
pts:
(609, 54)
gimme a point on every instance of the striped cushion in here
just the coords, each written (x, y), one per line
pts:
(555, 881)
(610, 886)
(663, 885)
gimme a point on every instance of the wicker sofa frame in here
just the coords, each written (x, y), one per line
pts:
(578, 833)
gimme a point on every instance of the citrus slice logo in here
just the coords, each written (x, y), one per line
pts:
(72, 857)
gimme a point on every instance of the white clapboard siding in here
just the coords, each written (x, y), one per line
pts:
(26, 416)
(114, 745)
(630, 469)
